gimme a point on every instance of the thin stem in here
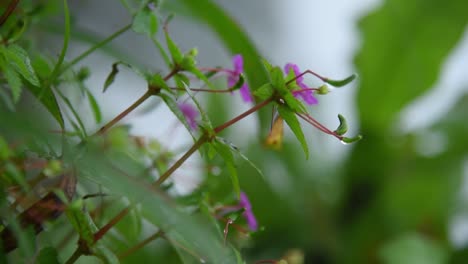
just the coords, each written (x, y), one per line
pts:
(125, 112)
(203, 90)
(9, 10)
(76, 255)
(239, 117)
(304, 73)
(204, 138)
(319, 126)
(95, 47)
(99, 234)
(140, 245)
(56, 72)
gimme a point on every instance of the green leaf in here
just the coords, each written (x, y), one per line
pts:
(18, 58)
(404, 47)
(264, 92)
(14, 81)
(343, 127)
(48, 255)
(48, 99)
(294, 103)
(238, 152)
(94, 106)
(172, 105)
(225, 152)
(277, 80)
(145, 22)
(291, 119)
(5, 151)
(81, 221)
(111, 77)
(348, 140)
(174, 50)
(341, 83)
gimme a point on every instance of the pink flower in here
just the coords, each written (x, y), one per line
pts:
(233, 77)
(248, 213)
(305, 93)
(190, 114)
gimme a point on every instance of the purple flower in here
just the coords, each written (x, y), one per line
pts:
(305, 93)
(190, 114)
(248, 213)
(233, 77)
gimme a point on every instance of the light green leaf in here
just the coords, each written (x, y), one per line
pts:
(174, 50)
(291, 119)
(94, 106)
(145, 22)
(18, 58)
(265, 91)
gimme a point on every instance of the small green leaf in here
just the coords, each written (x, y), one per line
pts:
(94, 106)
(340, 83)
(48, 255)
(267, 65)
(145, 22)
(239, 83)
(277, 80)
(111, 77)
(158, 81)
(181, 80)
(343, 127)
(348, 140)
(291, 119)
(264, 92)
(4, 149)
(174, 50)
(225, 152)
(19, 60)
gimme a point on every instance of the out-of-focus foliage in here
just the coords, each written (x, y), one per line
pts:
(387, 202)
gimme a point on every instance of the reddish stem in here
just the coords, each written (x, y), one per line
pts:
(9, 10)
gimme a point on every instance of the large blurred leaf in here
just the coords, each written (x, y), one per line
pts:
(404, 44)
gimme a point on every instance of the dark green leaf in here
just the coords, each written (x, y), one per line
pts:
(145, 22)
(48, 99)
(48, 255)
(111, 77)
(291, 119)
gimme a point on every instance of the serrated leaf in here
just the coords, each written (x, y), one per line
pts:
(48, 255)
(94, 106)
(291, 119)
(226, 154)
(19, 59)
(14, 81)
(145, 22)
(264, 92)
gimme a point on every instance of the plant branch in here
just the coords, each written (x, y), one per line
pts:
(95, 47)
(9, 10)
(140, 245)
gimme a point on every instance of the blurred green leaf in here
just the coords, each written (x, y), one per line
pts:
(404, 46)
(13, 79)
(412, 249)
(48, 255)
(48, 99)
(145, 22)
(94, 106)
(224, 150)
(265, 91)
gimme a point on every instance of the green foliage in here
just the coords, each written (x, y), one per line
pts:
(289, 116)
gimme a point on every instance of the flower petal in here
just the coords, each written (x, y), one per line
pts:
(245, 93)
(238, 63)
(296, 70)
